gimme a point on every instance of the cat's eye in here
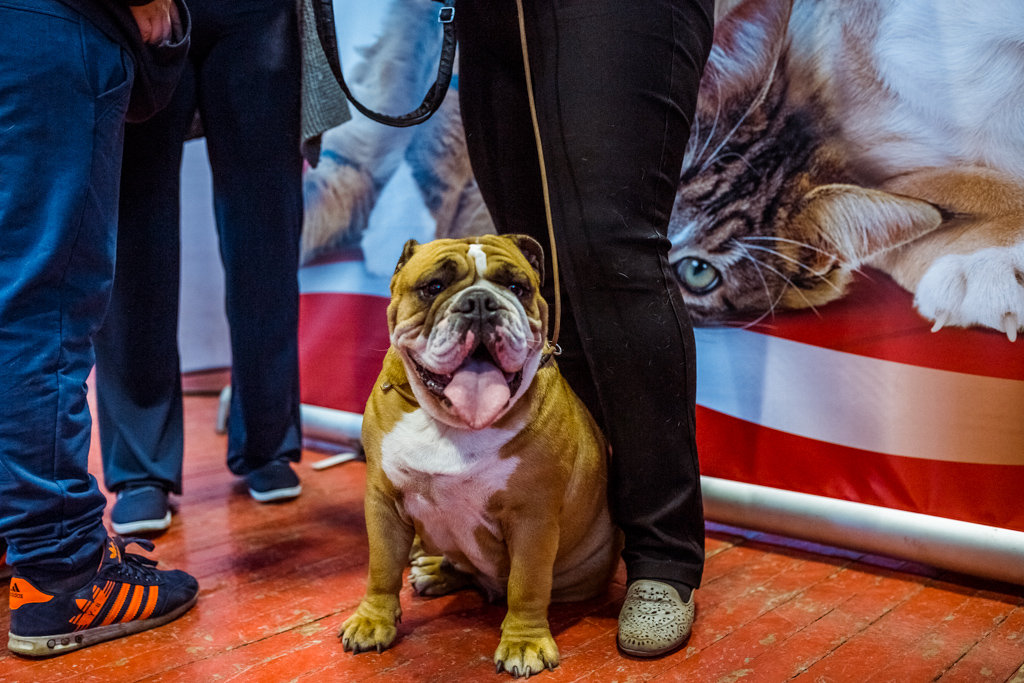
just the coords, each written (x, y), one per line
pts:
(698, 276)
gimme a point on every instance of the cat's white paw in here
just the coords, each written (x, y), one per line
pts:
(984, 288)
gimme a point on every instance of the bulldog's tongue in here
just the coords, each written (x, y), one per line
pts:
(478, 392)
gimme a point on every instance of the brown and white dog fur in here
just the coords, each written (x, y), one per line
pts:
(478, 450)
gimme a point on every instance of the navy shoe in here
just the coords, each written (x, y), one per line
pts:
(274, 481)
(140, 509)
(128, 595)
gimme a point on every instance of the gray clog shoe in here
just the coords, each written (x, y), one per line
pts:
(654, 620)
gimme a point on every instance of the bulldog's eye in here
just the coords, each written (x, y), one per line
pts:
(698, 276)
(432, 289)
(519, 290)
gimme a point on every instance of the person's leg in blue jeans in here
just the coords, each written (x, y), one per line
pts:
(61, 121)
(64, 93)
(138, 376)
(616, 87)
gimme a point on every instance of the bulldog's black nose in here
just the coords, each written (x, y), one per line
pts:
(478, 303)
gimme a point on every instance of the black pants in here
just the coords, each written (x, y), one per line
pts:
(616, 88)
(245, 80)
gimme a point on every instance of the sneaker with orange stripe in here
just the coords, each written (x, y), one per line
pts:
(129, 594)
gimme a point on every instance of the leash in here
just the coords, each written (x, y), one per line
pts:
(556, 328)
(323, 13)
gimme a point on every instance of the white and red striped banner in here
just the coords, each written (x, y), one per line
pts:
(343, 332)
(858, 401)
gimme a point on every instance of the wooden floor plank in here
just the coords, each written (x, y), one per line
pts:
(755, 573)
(712, 645)
(872, 592)
(824, 586)
(993, 658)
(223, 620)
(278, 580)
(947, 641)
(879, 648)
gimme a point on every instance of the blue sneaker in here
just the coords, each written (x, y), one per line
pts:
(128, 595)
(274, 481)
(140, 509)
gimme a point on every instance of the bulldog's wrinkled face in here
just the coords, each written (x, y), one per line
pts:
(468, 320)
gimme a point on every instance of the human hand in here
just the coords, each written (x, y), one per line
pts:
(158, 20)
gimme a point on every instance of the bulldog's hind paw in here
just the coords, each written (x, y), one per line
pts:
(434, 575)
(984, 288)
(372, 627)
(523, 656)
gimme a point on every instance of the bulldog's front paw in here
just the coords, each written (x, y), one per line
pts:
(433, 575)
(984, 288)
(525, 656)
(372, 627)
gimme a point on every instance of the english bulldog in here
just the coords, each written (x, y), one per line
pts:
(482, 465)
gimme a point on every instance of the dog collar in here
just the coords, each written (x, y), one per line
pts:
(550, 351)
(403, 390)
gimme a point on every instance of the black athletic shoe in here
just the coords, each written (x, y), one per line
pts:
(140, 509)
(128, 595)
(274, 481)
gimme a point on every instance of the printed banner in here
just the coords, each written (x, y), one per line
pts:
(834, 208)
(862, 402)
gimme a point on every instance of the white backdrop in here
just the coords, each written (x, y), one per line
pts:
(202, 325)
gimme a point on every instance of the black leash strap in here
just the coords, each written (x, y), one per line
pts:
(323, 11)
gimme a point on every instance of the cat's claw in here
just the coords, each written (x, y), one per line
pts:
(1010, 325)
(983, 288)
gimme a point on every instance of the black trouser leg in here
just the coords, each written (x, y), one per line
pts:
(248, 91)
(244, 76)
(138, 377)
(616, 86)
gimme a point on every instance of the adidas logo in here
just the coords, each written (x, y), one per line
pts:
(24, 593)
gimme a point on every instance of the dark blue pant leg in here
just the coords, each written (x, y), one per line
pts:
(248, 90)
(64, 90)
(244, 71)
(138, 375)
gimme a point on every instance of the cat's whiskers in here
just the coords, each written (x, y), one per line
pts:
(758, 319)
(798, 243)
(753, 106)
(714, 126)
(786, 280)
(853, 267)
(797, 262)
(767, 290)
(743, 159)
(740, 325)
(691, 144)
(782, 292)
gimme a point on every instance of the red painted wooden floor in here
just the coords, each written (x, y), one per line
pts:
(277, 581)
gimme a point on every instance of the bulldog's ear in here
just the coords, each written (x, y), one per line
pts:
(533, 252)
(407, 251)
